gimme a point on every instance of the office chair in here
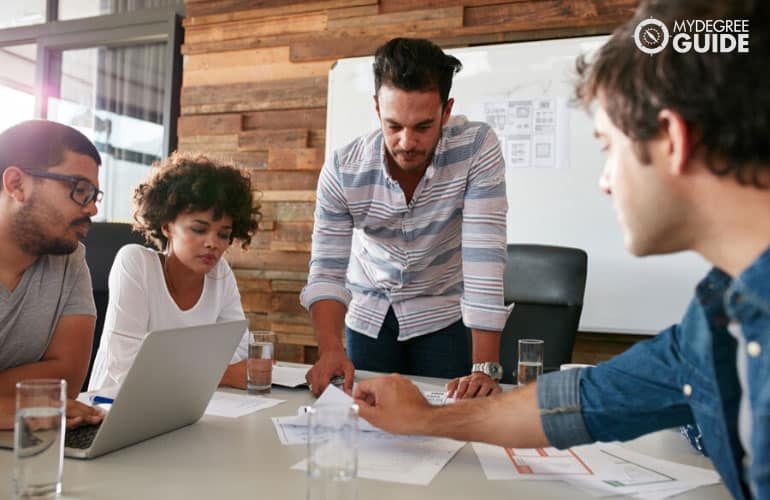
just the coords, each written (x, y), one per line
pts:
(547, 284)
(102, 244)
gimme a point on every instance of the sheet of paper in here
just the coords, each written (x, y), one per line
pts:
(290, 434)
(289, 376)
(438, 398)
(641, 476)
(602, 469)
(383, 456)
(401, 459)
(225, 404)
(284, 426)
(532, 132)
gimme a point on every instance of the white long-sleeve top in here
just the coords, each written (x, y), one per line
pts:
(140, 302)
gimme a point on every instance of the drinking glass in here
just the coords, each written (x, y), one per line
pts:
(530, 360)
(259, 367)
(332, 452)
(38, 438)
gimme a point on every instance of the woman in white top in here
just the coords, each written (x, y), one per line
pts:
(192, 208)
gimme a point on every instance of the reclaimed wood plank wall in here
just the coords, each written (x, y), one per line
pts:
(254, 93)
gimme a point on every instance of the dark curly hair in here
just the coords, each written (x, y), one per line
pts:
(723, 96)
(192, 183)
(414, 64)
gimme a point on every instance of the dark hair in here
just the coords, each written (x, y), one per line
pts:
(40, 145)
(414, 64)
(192, 183)
(723, 96)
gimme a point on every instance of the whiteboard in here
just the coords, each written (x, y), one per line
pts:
(556, 204)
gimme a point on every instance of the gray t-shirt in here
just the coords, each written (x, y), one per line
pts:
(52, 287)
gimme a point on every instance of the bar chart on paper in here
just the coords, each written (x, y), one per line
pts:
(605, 469)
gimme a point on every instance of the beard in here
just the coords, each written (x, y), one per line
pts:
(29, 229)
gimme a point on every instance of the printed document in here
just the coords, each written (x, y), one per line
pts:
(403, 459)
(602, 469)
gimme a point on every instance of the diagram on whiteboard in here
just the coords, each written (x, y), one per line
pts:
(532, 132)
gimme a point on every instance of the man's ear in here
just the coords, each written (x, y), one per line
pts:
(678, 137)
(376, 105)
(13, 182)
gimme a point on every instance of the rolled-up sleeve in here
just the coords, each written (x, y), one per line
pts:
(484, 238)
(634, 393)
(332, 235)
(558, 399)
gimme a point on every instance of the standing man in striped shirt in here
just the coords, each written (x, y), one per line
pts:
(410, 236)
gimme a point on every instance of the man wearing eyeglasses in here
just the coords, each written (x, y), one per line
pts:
(48, 193)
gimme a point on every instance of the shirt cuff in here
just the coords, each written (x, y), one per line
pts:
(313, 292)
(558, 398)
(488, 317)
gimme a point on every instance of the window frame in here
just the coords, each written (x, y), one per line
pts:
(156, 24)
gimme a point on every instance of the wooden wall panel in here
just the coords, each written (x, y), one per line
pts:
(301, 93)
(254, 93)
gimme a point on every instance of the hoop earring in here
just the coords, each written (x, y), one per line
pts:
(165, 265)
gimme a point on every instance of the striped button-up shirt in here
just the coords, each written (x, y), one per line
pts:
(437, 259)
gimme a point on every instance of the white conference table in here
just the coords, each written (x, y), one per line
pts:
(224, 458)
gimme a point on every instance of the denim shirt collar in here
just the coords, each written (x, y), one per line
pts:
(752, 286)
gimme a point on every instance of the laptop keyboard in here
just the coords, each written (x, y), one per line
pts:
(80, 437)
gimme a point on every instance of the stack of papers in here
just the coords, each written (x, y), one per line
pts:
(403, 459)
(600, 469)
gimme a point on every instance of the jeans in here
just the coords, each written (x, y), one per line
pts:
(445, 353)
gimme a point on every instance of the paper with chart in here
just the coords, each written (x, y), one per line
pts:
(401, 459)
(532, 132)
(383, 456)
(603, 469)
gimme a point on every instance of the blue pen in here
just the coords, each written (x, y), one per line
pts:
(101, 400)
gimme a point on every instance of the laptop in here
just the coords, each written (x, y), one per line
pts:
(168, 386)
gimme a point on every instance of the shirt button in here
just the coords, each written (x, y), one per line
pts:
(754, 349)
(687, 390)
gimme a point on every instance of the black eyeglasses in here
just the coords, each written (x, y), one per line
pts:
(83, 191)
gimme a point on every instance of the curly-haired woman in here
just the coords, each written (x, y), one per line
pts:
(191, 208)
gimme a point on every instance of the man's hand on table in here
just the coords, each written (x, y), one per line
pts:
(78, 414)
(475, 385)
(330, 364)
(393, 403)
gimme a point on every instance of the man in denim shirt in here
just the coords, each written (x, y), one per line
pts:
(688, 166)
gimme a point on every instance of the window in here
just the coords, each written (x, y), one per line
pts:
(22, 13)
(116, 78)
(17, 84)
(76, 9)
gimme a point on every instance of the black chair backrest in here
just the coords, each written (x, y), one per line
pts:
(547, 284)
(102, 244)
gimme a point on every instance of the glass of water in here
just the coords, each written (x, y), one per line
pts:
(530, 360)
(38, 439)
(332, 452)
(259, 366)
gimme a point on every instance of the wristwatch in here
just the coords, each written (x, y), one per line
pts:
(489, 368)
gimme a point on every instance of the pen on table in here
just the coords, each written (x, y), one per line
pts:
(101, 400)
